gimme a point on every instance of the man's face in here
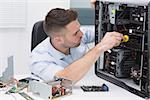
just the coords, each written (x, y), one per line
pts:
(73, 35)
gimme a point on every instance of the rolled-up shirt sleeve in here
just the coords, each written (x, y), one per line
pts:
(44, 67)
(45, 70)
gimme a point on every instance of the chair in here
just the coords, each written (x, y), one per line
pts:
(38, 34)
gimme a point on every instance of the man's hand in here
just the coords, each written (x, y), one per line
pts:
(110, 40)
(93, 3)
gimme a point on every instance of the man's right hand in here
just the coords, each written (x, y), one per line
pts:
(110, 40)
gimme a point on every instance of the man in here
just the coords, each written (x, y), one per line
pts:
(63, 54)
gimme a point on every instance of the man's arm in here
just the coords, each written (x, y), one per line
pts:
(79, 68)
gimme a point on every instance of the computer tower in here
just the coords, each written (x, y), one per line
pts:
(127, 65)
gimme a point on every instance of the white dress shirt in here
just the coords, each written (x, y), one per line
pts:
(46, 60)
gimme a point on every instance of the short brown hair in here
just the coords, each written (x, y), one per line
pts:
(57, 19)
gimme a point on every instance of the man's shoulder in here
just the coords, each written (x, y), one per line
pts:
(42, 47)
(41, 53)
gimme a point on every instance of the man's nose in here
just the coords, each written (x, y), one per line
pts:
(80, 34)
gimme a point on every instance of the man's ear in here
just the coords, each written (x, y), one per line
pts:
(59, 39)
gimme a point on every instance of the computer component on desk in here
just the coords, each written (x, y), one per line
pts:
(103, 88)
(52, 89)
(20, 86)
(127, 65)
(8, 73)
(61, 87)
(26, 96)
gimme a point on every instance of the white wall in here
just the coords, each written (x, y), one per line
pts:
(17, 42)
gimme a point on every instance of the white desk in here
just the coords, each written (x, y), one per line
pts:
(114, 93)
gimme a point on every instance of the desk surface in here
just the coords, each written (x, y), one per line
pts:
(115, 92)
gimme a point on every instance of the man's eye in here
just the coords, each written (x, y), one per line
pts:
(77, 32)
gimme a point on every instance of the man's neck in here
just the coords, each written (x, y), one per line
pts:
(60, 48)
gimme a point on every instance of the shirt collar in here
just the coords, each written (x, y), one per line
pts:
(54, 52)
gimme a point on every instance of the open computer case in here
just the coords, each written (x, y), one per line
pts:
(127, 65)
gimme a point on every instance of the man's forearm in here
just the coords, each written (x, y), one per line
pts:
(79, 68)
